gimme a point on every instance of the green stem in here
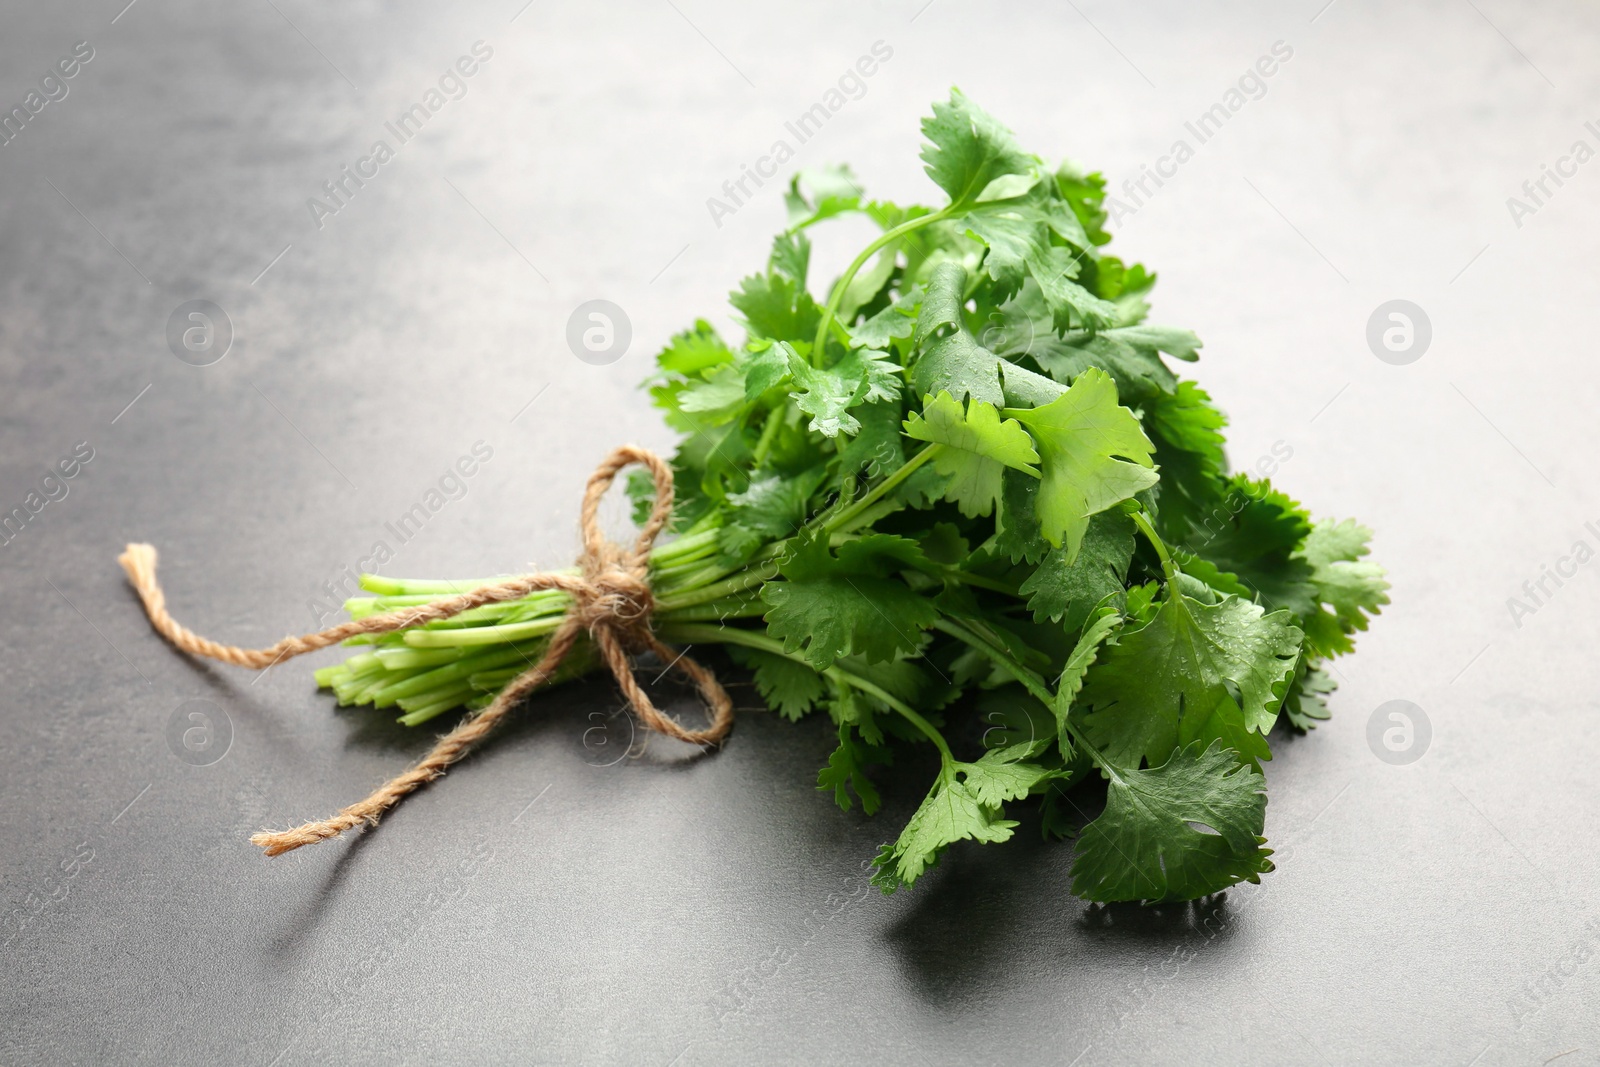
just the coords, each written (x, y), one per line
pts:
(839, 287)
(841, 522)
(768, 432)
(717, 590)
(1168, 568)
(692, 633)
(946, 760)
(1030, 680)
(733, 607)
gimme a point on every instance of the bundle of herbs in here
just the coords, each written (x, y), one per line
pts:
(967, 485)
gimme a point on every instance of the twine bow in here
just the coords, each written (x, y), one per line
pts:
(611, 601)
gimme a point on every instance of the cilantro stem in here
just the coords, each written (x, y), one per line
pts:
(1030, 681)
(946, 759)
(717, 590)
(842, 521)
(839, 287)
(1168, 568)
(691, 633)
(768, 432)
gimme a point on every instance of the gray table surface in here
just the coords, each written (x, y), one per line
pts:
(549, 903)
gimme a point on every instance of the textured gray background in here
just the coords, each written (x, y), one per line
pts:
(667, 910)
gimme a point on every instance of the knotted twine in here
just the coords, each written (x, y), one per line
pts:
(611, 601)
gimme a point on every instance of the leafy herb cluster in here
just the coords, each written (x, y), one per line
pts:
(969, 485)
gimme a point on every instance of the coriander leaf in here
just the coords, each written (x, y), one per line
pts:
(766, 365)
(1130, 354)
(952, 361)
(1102, 628)
(717, 398)
(776, 306)
(1002, 774)
(1070, 304)
(978, 447)
(1016, 534)
(791, 689)
(942, 303)
(1024, 388)
(1146, 844)
(821, 193)
(1306, 703)
(945, 545)
(950, 813)
(1084, 194)
(896, 321)
(831, 606)
(847, 767)
(770, 509)
(1011, 238)
(1015, 719)
(850, 707)
(1066, 592)
(1162, 684)
(1351, 588)
(791, 257)
(876, 448)
(1254, 535)
(1017, 232)
(877, 371)
(969, 149)
(958, 365)
(1187, 432)
(1081, 438)
(1226, 723)
(694, 350)
(826, 397)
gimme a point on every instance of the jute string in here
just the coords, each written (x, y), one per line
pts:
(611, 601)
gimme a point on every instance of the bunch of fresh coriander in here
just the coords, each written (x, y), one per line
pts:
(967, 496)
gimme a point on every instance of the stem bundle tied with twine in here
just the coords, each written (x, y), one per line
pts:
(611, 601)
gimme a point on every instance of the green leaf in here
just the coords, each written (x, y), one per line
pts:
(765, 366)
(1186, 829)
(1017, 522)
(896, 321)
(951, 812)
(832, 606)
(771, 508)
(1003, 774)
(791, 257)
(876, 448)
(1094, 455)
(969, 149)
(1164, 684)
(1070, 304)
(847, 769)
(821, 193)
(1306, 703)
(1352, 589)
(694, 350)
(1254, 535)
(1101, 628)
(1187, 432)
(1130, 354)
(1067, 591)
(828, 395)
(952, 361)
(717, 398)
(978, 447)
(776, 306)
(791, 689)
